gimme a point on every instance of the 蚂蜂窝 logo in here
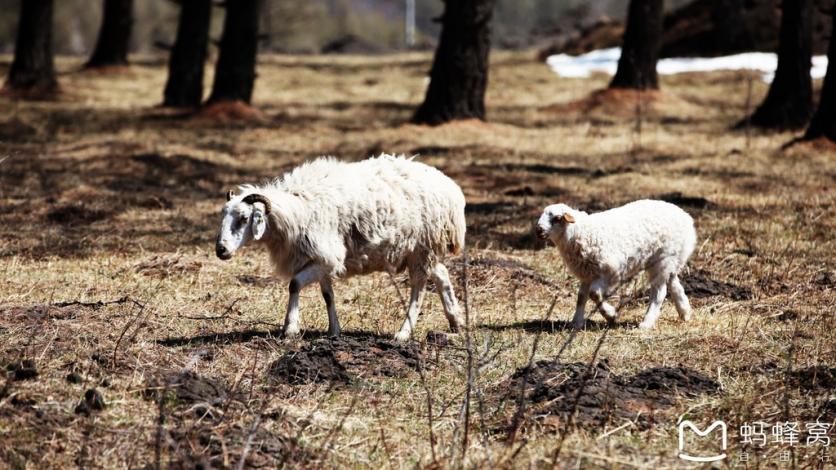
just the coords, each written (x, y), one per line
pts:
(702, 433)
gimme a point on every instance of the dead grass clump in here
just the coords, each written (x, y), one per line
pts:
(229, 112)
(621, 103)
(163, 266)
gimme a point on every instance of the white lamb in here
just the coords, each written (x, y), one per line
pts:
(605, 249)
(329, 219)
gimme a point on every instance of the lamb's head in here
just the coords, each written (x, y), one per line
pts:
(554, 220)
(244, 220)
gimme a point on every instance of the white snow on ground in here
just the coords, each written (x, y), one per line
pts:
(606, 60)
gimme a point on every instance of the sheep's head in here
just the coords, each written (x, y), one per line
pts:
(244, 219)
(554, 220)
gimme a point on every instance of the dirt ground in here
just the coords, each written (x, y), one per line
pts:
(125, 343)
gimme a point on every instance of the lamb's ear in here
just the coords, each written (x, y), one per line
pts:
(568, 218)
(259, 222)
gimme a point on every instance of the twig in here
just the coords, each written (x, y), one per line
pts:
(429, 409)
(469, 344)
(217, 317)
(248, 443)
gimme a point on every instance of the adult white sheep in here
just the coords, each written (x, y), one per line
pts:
(331, 219)
(607, 248)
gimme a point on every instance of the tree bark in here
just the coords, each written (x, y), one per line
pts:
(823, 123)
(186, 62)
(640, 46)
(459, 74)
(33, 68)
(235, 69)
(789, 102)
(114, 35)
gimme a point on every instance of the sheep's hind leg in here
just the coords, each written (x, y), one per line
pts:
(328, 296)
(418, 282)
(683, 307)
(658, 290)
(304, 277)
(441, 279)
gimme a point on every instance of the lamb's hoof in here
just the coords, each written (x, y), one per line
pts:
(645, 326)
(291, 333)
(402, 336)
(686, 317)
(610, 320)
(333, 334)
(579, 325)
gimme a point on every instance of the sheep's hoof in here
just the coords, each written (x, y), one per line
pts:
(596, 296)
(645, 326)
(579, 325)
(402, 336)
(291, 332)
(686, 317)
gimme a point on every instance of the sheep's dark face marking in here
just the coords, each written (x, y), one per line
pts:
(554, 220)
(240, 224)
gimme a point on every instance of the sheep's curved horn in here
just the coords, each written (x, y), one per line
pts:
(253, 198)
(229, 195)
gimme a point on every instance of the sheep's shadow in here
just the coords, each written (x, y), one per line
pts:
(555, 326)
(244, 336)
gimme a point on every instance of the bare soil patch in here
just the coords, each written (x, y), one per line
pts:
(344, 360)
(595, 396)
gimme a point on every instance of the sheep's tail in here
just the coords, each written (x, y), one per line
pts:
(456, 233)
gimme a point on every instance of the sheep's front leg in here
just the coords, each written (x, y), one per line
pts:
(328, 295)
(599, 291)
(304, 277)
(578, 320)
(441, 279)
(418, 283)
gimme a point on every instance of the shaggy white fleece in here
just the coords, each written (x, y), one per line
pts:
(331, 219)
(607, 248)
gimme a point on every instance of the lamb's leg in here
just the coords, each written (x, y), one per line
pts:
(328, 295)
(304, 277)
(441, 278)
(599, 290)
(683, 307)
(418, 282)
(578, 321)
(658, 290)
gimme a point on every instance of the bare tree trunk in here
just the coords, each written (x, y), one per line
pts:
(459, 74)
(235, 69)
(823, 123)
(640, 47)
(184, 87)
(789, 102)
(33, 68)
(114, 35)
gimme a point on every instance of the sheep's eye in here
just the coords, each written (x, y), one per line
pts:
(556, 219)
(242, 219)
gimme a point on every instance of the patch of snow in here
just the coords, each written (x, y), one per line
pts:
(606, 61)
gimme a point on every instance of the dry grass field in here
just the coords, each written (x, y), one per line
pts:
(109, 208)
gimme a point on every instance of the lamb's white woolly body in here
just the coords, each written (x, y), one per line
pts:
(609, 247)
(334, 219)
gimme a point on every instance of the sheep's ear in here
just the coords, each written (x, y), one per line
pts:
(259, 222)
(568, 218)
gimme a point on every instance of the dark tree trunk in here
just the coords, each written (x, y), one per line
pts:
(235, 69)
(184, 87)
(459, 74)
(823, 123)
(114, 35)
(640, 46)
(789, 102)
(33, 69)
